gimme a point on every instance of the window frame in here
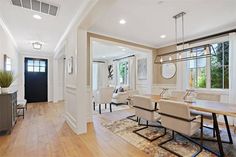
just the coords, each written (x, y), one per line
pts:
(208, 64)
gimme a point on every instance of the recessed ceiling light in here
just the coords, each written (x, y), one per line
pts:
(37, 45)
(103, 56)
(160, 2)
(37, 17)
(163, 36)
(122, 21)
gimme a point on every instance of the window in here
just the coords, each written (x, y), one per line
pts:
(123, 72)
(36, 66)
(7, 63)
(212, 72)
(220, 66)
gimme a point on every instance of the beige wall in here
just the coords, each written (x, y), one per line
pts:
(157, 78)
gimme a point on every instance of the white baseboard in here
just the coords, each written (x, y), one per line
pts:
(71, 121)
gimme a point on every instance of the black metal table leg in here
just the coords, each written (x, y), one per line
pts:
(155, 105)
(228, 130)
(94, 106)
(100, 109)
(218, 134)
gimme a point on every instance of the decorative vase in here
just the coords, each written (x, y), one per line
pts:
(5, 90)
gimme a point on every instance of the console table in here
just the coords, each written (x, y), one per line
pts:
(8, 111)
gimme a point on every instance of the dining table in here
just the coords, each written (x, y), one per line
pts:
(215, 108)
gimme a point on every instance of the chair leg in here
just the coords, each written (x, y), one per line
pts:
(23, 113)
(214, 133)
(172, 138)
(100, 109)
(145, 127)
(110, 107)
(131, 118)
(105, 106)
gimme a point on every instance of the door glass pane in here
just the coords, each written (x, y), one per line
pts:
(30, 63)
(30, 69)
(36, 63)
(42, 69)
(36, 69)
(42, 63)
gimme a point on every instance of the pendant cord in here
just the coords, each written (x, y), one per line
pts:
(176, 39)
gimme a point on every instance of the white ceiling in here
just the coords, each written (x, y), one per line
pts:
(25, 29)
(147, 20)
(102, 50)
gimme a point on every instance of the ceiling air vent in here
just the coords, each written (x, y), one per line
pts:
(37, 5)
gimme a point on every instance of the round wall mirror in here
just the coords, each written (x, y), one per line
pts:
(168, 70)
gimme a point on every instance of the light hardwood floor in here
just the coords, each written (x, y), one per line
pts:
(44, 133)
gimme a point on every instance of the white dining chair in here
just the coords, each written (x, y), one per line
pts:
(206, 115)
(176, 117)
(145, 110)
(178, 94)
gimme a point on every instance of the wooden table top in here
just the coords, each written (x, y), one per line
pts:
(204, 106)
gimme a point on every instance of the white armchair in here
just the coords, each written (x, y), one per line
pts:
(120, 98)
(103, 96)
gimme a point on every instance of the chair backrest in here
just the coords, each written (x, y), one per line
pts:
(143, 103)
(208, 96)
(178, 94)
(104, 95)
(175, 116)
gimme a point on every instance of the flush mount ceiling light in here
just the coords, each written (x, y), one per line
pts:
(37, 45)
(123, 49)
(163, 36)
(37, 17)
(122, 22)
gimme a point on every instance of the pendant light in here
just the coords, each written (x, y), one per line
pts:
(183, 54)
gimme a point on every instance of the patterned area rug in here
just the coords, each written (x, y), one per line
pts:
(114, 108)
(124, 128)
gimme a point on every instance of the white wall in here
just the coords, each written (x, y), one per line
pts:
(7, 47)
(59, 76)
(78, 110)
(21, 90)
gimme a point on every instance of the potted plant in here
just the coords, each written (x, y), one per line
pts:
(6, 79)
